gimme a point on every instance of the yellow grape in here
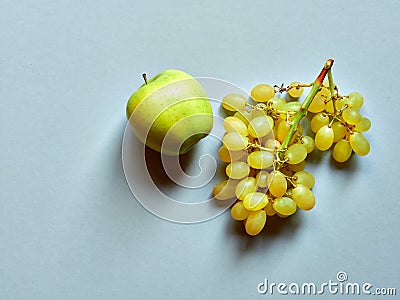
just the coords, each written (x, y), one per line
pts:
(297, 167)
(243, 115)
(324, 138)
(281, 216)
(233, 124)
(339, 104)
(262, 179)
(260, 159)
(318, 103)
(359, 144)
(262, 92)
(285, 206)
(339, 131)
(234, 141)
(260, 126)
(351, 116)
(363, 125)
(308, 142)
(295, 91)
(255, 201)
(229, 156)
(329, 107)
(255, 222)
(318, 121)
(234, 102)
(303, 197)
(277, 184)
(305, 178)
(354, 100)
(225, 190)
(283, 129)
(239, 212)
(237, 170)
(269, 209)
(296, 153)
(245, 186)
(342, 151)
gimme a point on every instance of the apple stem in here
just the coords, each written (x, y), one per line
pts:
(145, 77)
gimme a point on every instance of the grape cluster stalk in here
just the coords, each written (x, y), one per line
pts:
(265, 148)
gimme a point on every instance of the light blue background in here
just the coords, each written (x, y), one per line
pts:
(69, 225)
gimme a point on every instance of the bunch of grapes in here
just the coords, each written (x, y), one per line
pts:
(337, 121)
(265, 148)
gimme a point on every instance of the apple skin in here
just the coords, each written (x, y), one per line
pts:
(170, 113)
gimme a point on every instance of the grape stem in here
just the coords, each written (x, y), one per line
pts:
(316, 86)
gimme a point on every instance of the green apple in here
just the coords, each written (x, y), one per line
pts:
(170, 112)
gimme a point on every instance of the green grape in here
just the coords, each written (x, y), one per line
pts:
(272, 144)
(225, 190)
(239, 212)
(318, 103)
(262, 93)
(318, 121)
(303, 197)
(276, 102)
(243, 115)
(296, 153)
(308, 142)
(292, 108)
(295, 91)
(237, 170)
(339, 131)
(351, 116)
(233, 124)
(260, 159)
(354, 100)
(255, 201)
(359, 144)
(324, 138)
(245, 186)
(269, 209)
(234, 102)
(262, 179)
(234, 141)
(257, 113)
(363, 125)
(277, 184)
(255, 222)
(229, 156)
(342, 151)
(305, 178)
(260, 126)
(289, 193)
(297, 167)
(285, 206)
